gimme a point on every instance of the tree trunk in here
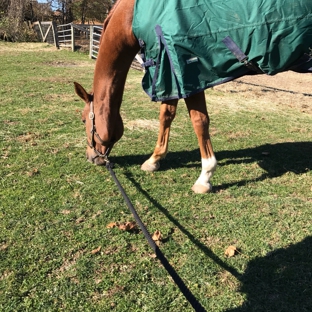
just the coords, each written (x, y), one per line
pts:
(16, 11)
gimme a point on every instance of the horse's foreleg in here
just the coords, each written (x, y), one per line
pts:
(196, 105)
(166, 116)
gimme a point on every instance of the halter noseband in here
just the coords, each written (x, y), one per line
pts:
(94, 133)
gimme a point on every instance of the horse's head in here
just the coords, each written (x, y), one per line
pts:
(101, 135)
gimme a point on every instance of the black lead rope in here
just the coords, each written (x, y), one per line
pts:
(186, 292)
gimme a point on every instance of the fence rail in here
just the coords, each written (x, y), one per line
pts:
(66, 36)
(95, 35)
(46, 32)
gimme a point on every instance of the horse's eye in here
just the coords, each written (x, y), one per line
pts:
(84, 121)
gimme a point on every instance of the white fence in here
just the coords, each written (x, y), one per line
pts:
(67, 35)
(95, 34)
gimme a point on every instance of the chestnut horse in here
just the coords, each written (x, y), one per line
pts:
(104, 126)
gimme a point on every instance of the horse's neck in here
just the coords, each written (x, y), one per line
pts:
(117, 50)
(109, 79)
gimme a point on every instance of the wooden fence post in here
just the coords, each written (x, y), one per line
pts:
(91, 41)
(72, 37)
(55, 35)
(41, 31)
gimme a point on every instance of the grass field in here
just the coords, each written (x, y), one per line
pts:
(57, 252)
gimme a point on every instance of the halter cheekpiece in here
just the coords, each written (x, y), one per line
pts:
(94, 133)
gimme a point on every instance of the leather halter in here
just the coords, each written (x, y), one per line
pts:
(94, 133)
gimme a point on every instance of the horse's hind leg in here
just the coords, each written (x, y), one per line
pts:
(166, 116)
(196, 105)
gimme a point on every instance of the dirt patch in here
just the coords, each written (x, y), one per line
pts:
(69, 64)
(288, 89)
(142, 124)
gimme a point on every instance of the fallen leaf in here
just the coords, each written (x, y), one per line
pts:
(111, 225)
(230, 251)
(127, 226)
(95, 251)
(157, 237)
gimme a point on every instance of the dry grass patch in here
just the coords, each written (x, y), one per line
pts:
(142, 124)
(69, 64)
(26, 47)
(269, 93)
(228, 280)
(68, 266)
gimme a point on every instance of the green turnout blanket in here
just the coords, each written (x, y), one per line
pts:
(190, 45)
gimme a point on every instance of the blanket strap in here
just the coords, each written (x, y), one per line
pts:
(163, 45)
(240, 55)
(146, 63)
(163, 48)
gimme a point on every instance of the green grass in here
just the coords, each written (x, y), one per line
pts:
(55, 206)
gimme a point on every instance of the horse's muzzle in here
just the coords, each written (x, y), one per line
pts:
(95, 159)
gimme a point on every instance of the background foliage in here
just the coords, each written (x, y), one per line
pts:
(14, 13)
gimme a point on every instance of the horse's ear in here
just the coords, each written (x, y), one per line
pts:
(81, 92)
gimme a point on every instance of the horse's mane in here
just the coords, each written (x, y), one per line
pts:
(111, 12)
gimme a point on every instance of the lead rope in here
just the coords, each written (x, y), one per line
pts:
(186, 292)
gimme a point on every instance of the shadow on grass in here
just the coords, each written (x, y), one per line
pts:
(172, 219)
(276, 159)
(280, 281)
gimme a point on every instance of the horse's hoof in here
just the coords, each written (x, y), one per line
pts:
(147, 166)
(202, 189)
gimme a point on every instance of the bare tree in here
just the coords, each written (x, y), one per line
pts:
(13, 13)
(4, 5)
(35, 11)
(90, 10)
(12, 22)
(66, 7)
(16, 13)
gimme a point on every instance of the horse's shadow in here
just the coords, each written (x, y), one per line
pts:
(276, 159)
(280, 281)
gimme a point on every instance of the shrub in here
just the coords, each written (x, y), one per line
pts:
(12, 30)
